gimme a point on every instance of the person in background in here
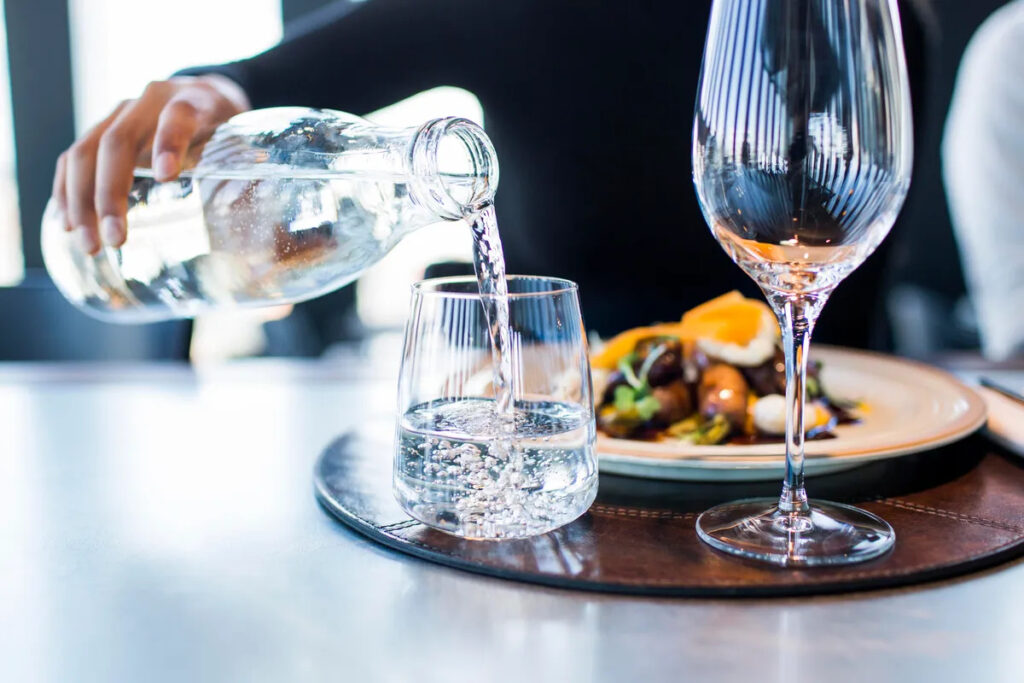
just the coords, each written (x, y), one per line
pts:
(590, 108)
(983, 167)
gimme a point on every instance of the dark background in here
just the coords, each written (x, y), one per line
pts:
(927, 308)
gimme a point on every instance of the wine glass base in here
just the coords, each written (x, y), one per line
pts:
(829, 534)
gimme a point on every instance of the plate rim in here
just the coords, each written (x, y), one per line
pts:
(972, 419)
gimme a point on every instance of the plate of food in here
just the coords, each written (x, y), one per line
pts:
(702, 399)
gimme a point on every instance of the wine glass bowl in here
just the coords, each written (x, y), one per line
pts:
(802, 153)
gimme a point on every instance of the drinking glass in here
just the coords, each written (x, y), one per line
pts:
(460, 465)
(801, 159)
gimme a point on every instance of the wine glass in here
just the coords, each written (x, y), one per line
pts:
(457, 467)
(802, 153)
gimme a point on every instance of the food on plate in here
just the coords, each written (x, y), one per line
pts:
(717, 376)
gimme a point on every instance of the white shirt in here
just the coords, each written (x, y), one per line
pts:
(983, 166)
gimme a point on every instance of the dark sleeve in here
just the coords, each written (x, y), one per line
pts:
(918, 35)
(361, 57)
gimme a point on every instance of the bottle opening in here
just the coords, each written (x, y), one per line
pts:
(454, 167)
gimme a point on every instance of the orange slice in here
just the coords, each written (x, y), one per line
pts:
(730, 318)
(624, 343)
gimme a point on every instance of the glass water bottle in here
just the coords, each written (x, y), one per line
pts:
(284, 205)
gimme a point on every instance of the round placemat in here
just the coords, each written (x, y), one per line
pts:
(956, 509)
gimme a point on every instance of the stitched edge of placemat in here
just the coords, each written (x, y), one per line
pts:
(863, 581)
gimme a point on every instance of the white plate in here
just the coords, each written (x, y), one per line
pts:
(911, 407)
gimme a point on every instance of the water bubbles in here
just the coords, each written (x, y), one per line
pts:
(468, 479)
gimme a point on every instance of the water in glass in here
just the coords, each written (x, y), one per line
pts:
(496, 438)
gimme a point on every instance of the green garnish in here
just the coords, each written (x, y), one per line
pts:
(647, 407)
(625, 398)
(813, 387)
(632, 404)
(684, 428)
(652, 357)
(701, 432)
(633, 400)
(715, 432)
(626, 368)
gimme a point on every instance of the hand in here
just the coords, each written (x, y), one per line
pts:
(94, 175)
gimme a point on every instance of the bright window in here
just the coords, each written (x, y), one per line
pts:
(118, 46)
(383, 294)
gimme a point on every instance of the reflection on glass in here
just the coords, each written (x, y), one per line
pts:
(801, 154)
(456, 468)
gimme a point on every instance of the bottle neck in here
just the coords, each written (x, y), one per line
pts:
(453, 168)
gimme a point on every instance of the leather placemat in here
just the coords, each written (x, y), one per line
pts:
(954, 510)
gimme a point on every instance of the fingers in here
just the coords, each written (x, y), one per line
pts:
(74, 184)
(97, 170)
(93, 178)
(79, 189)
(118, 149)
(175, 130)
(115, 162)
(191, 116)
(59, 175)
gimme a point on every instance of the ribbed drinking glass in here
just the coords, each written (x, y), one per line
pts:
(459, 465)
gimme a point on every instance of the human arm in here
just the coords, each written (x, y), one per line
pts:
(354, 59)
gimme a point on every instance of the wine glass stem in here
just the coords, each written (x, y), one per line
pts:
(797, 315)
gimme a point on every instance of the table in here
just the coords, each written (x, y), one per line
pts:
(158, 524)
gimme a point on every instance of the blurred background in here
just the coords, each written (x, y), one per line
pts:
(61, 71)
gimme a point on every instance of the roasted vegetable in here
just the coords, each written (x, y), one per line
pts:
(723, 391)
(674, 402)
(615, 380)
(630, 405)
(663, 356)
(769, 377)
(716, 376)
